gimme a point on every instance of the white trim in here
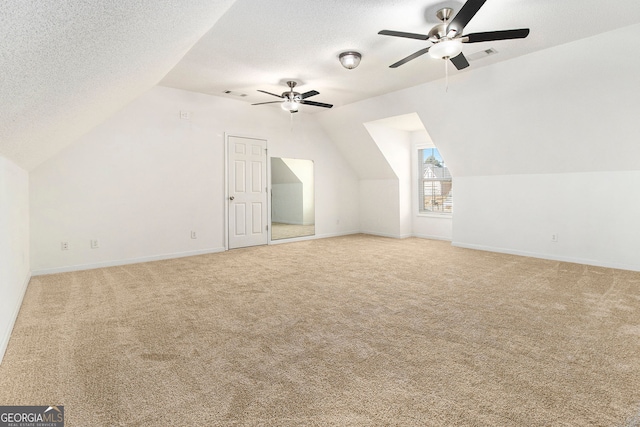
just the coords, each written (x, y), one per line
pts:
(444, 215)
(432, 237)
(343, 233)
(225, 225)
(393, 236)
(293, 239)
(269, 196)
(423, 145)
(116, 263)
(549, 257)
(14, 316)
(313, 237)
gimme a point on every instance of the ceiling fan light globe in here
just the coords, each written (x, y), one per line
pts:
(446, 49)
(290, 105)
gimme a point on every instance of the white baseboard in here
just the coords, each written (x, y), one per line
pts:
(344, 233)
(432, 237)
(115, 263)
(293, 239)
(14, 316)
(375, 233)
(392, 236)
(312, 237)
(550, 257)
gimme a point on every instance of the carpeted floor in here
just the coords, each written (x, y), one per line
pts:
(348, 331)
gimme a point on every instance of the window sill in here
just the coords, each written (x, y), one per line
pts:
(434, 215)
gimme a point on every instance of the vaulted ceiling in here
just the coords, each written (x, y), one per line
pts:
(67, 66)
(259, 44)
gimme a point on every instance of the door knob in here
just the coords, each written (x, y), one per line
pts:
(231, 198)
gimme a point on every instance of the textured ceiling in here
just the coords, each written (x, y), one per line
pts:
(68, 65)
(260, 44)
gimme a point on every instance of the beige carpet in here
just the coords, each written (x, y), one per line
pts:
(348, 331)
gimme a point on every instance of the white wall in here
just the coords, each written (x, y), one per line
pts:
(536, 120)
(593, 214)
(557, 155)
(379, 207)
(395, 146)
(144, 179)
(14, 245)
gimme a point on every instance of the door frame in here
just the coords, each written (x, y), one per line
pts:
(226, 184)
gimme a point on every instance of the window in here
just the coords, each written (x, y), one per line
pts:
(434, 185)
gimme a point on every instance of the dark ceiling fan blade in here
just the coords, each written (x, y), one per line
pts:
(270, 102)
(468, 11)
(410, 57)
(309, 94)
(497, 35)
(460, 61)
(316, 104)
(269, 93)
(405, 35)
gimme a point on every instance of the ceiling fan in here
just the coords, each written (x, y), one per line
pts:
(447, 37)
(292, 100)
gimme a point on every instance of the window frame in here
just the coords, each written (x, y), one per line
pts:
(421, 181)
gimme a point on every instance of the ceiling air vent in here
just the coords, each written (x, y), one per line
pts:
(234, 93)
(482, 54)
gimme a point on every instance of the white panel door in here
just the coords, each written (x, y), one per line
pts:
(247, 168)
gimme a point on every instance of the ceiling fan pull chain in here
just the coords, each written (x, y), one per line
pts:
(446, 74)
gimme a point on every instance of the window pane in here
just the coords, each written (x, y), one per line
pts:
(435, 192)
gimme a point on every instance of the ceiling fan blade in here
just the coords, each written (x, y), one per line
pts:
(405, 35)
(269, 93)
(468, 11)
(460, 61)
(316, 104)
(497, 35)
(270, 102)
(410, 57)
(309, 94)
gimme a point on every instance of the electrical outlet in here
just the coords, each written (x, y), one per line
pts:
(193, 235)
(554, 238)
(64, 246)
(185, 115)
(95, 244)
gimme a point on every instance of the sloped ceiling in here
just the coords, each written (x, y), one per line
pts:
(261, 44)
(68, 65)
